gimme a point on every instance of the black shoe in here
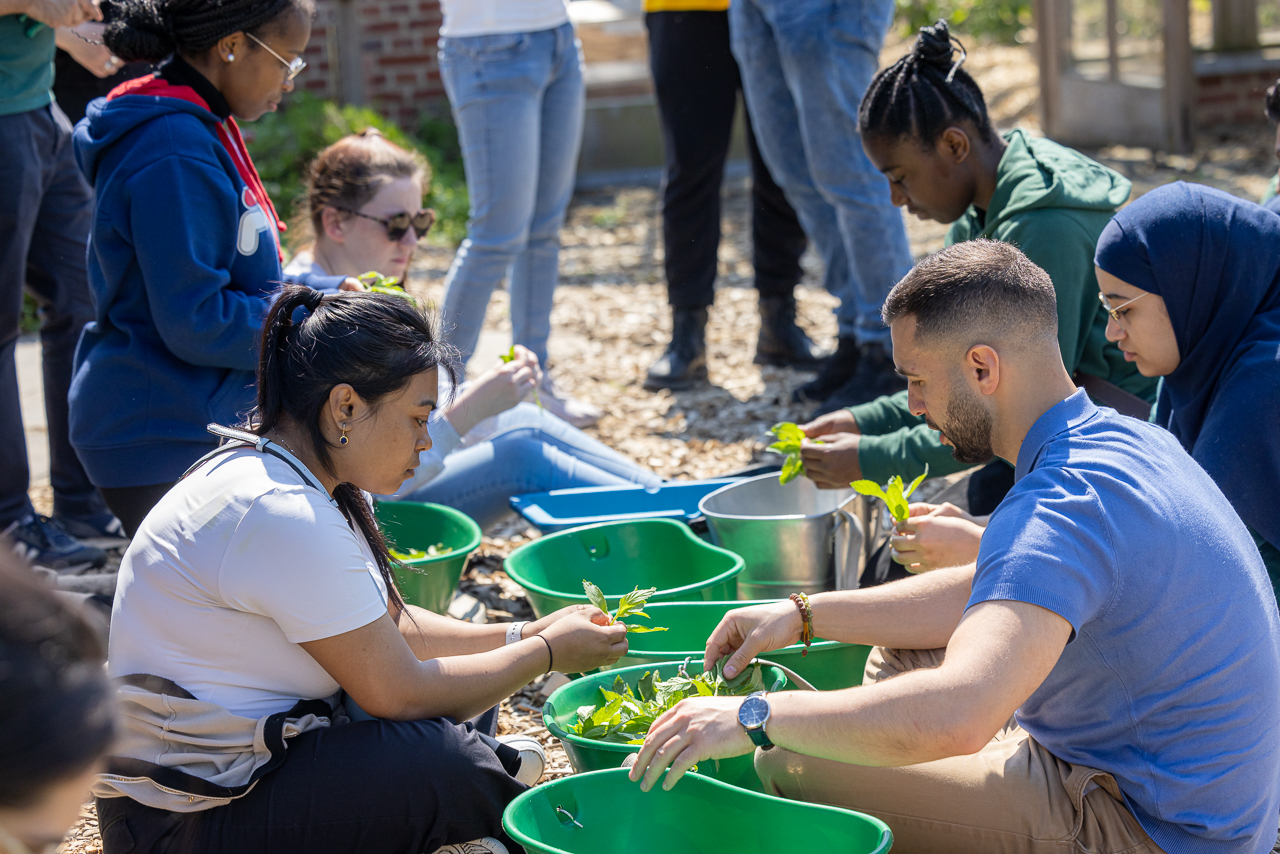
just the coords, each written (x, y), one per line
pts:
(781, 341)
(838, 369)
(44, 543)
(685, 361)
(874, 378)
(95, 529)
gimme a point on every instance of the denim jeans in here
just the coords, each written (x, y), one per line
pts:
(45, 212)
(517, 101)
(523, 451)
(805, 65)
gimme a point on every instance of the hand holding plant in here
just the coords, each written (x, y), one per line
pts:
(631, 604)
(510, 356)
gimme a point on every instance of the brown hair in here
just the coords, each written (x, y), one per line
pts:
(349, 173)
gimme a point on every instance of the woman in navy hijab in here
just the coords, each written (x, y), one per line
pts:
(1191, 278)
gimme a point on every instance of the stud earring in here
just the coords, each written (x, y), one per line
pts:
(343, 440)
(231, 57)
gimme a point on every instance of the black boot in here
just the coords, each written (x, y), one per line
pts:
(781, 341)
(839, 367)
(685, 360)
(874, 378)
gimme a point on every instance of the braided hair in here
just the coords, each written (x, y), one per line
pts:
(923, 93)
(151, 30)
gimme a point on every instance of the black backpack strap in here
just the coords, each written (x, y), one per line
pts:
(236, 439)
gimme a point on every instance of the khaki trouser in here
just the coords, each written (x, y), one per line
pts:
(1012, 796)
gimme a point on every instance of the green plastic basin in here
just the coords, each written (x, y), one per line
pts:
(620, 556)
(828, 666)
(606, 812)
(429, 582)
(588, 754)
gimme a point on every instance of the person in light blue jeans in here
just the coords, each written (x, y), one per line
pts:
(805, 66)
(521, 450)
(518, 103)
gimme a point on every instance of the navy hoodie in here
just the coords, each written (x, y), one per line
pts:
(183, 257)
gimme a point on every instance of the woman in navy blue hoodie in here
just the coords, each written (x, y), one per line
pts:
(185, 248)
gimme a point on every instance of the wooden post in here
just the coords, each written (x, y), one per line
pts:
(1235, 24)
(1049, 48)
(1113, 41)
(1179, 75)
(350, 76)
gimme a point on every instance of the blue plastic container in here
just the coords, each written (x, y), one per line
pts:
(562, 509)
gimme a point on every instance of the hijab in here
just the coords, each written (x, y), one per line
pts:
(1215, 260)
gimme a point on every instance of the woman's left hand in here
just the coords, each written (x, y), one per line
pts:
(495, 391)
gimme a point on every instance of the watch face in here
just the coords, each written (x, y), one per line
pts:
(753, 712)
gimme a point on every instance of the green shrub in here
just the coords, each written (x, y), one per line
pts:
(284, 143)
(997, 20)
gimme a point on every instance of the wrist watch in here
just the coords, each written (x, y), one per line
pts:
(753, 714)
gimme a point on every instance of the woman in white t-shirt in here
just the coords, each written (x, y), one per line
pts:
(260, 587)
(364, 212)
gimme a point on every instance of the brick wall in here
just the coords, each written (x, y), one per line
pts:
(1232, 99)
(397, 51)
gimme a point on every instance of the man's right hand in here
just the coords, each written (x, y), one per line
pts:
(63, 13)
(580, 641)
(840, 421)
(747, 632)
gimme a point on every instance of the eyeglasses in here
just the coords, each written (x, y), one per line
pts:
(295, 67)
(1114, 313)
(397, 224)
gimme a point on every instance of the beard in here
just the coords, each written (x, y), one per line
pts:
(967, 426)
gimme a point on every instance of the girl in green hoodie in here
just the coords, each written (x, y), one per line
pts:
(925, 126)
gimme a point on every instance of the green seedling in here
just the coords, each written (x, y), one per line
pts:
(624, 716)
(509, 357)
(790, 437)
(631, 604)
(376, 283)
(892, 493)
(438, 550)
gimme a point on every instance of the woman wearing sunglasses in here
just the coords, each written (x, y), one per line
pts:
(185, 249)
(364, 207)
(1190, 277)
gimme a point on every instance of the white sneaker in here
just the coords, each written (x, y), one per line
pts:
(579, 413)
(533, 759)
(487, 845)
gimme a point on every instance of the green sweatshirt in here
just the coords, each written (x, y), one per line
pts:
(1052, 203)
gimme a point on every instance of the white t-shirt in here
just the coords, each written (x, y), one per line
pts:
(237, 565)
(490, 17)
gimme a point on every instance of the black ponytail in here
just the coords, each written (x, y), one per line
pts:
(924, 92)
(56, 710)
(151, 30)
(376, 343)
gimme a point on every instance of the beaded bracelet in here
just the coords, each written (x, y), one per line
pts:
(806, 616)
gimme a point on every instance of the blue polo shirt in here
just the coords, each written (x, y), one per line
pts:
(1171, 679)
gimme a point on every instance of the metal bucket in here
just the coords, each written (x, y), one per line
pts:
(791, 537)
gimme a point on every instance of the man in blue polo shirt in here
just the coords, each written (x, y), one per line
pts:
(1105, 679)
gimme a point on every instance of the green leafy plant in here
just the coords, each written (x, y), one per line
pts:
(380, 284)
(892, 493)
(509, 357)
(438, 550)
(624, 716)
(631, 604)
(790, 438)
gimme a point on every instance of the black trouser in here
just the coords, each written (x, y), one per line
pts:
(131, 504)
(381, 786)
(45, 212)
(696, 81)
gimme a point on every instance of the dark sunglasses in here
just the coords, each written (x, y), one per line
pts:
(397, 224)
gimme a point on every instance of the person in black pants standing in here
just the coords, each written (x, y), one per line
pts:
(696, 81)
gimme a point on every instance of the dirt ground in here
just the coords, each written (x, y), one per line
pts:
(611, 321)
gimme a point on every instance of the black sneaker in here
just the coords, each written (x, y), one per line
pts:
(875, 377)
(42, 542)
(839, 367)
(95, 529)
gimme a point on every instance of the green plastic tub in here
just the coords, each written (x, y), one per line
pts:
(828, 666)
(606, 812)
(589, 754)
(430, 582)
(620, 556)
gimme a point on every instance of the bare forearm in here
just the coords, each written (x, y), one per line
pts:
(14, 7)
(920, 612)
(431, 635)
(463, 686)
